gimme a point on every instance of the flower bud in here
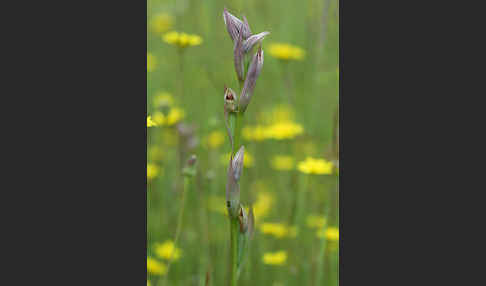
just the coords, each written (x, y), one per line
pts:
(252, 40)
(245, 29)
(238, 163)
(190, 168)
(243, 219)
(233, 24)
(192, 161)
(251, 77)
(232, 192)
(239, 57)
(229, 100)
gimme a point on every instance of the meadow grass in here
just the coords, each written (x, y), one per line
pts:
(290, 205)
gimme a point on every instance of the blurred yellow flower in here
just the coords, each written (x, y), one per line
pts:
(215, 139)
(162, 99)
(262, 205)
(151, 62)
(247, 159)
(315, 221)
(152, 171)
(282, 162)
(315, 166)
(280, 128)
(161, 22)
(284, 130)
(278, 230)
(150, 122)
(276, 258)
(158, 118)
(284, 51)
(167, 250)
(280, 113)
(155, 267)
(330, 233)
(175, 115)
(148, 283)
(182, 39)
(254, 133)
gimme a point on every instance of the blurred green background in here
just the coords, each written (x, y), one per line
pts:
(296, 211)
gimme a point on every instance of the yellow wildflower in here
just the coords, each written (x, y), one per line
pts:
(284, 130)
(163, 99)
(278, 230)
(262, 205)
(315, 221)
(152, 171)
(161, 23)
(150, 122)
(155, 267)
(254, 133)
(280, 113)
(167, 250)
(247, 159)
(175, 115)
(276, 258)
(330, 233)
(215, 139)
(283, 51)
(182, 39)
(151, 62)
(315, 166)
(283, 163)
(158, 118)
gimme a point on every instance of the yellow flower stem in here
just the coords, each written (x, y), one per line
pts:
(179, 224)
(203, 217)
(180, 52)
(322, 253)
(301, 198)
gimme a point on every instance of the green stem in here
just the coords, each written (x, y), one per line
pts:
(237, 131)
(322, 253)
(180, 53)
(301, 198)
(179, 224)
(234, 228)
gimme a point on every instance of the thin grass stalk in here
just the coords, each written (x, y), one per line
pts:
(234, 251)
(322, 252)
(179, 224)
(180, 53)
(301, 198)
